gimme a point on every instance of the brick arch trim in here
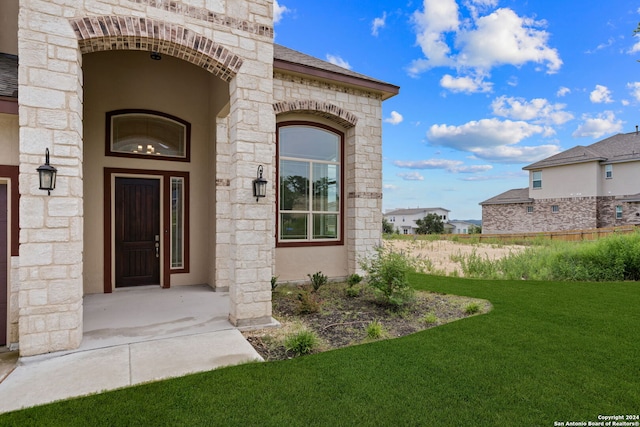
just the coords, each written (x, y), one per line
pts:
(323, 109)
(100, 33)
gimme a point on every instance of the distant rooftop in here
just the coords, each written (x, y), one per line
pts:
(414, 211)
(517, 195)
(618, 148)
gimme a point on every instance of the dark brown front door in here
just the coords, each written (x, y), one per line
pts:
(4, 213)
(137, 234)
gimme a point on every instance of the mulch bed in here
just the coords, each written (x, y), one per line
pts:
(342, 321)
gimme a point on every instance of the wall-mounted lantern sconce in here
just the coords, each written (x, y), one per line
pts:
(259, 185)
(47, 174)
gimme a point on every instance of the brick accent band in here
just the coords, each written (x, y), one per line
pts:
(365, 195)
(323, 109)
(208, 16)
(221, 182)
(100, 33)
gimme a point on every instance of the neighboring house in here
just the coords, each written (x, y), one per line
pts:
(159, 116)
(584, 187)
(461, 227)
(404, 220)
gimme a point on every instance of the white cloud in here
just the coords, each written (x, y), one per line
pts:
(493, 139)
(455, 166)
(279, 11)
(389, 187)
(437, 18)
(428, 164)
(395, 119)
(378, 23)
(634, 49)
(517, 154)
(482, 133)
(601, 94)
(500, 38)
(634, 88)
(465, 84)
(336, 60)
(539, 110)
(601, 46)
(563, 91)
(503, 37)
(410, 176)
(603, 124)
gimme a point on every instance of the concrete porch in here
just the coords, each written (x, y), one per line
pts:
(132, 336)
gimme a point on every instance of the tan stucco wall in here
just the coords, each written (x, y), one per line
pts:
(9, 142)
(624, 181)
(9, 26)
(577, 180)
(117, 80)
(293, 264)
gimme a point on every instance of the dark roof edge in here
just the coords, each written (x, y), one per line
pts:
(388, 90)
(561, 163)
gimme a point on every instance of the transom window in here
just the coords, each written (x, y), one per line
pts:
(310, 188)
(148, 134)
(537, 179)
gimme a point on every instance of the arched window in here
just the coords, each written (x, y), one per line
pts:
(309, 184)
(147, 134)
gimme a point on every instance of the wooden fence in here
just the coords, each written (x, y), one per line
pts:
(570, 235)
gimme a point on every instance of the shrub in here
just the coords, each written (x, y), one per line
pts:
(301, 342)
(354, 279)
(307, 303)
(317, 280)
(388, 276)
(274, 283)
(472, 308)
(375, 330)
(430, 319)
(351, 290)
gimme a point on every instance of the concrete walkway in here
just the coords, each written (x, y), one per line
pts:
(131, 337)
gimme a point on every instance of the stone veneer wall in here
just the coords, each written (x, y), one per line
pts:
(51, 39)
(360, 115)
(607, 212)
(574, 213)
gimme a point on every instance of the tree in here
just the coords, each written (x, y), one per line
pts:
(430, 224)
(387, 227)
(475, 229)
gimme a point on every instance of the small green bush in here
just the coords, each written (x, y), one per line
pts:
(301, 342)
(307, 303)
(430, 318)
(317, 280)
(351, 290)
(274, 283)
(375, 330)
(388, 276)
(472, 308)
(354, 279)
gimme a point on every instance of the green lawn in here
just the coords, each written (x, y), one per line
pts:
(547, 352)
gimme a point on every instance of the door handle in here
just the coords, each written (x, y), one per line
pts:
(157, 250)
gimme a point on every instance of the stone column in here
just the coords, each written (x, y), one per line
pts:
(364, 186)
(51, 235)
(251, 142)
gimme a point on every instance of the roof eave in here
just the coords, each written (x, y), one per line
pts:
(537, 165)
(386, 90)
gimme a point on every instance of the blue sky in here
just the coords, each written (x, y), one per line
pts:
(486, 86)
